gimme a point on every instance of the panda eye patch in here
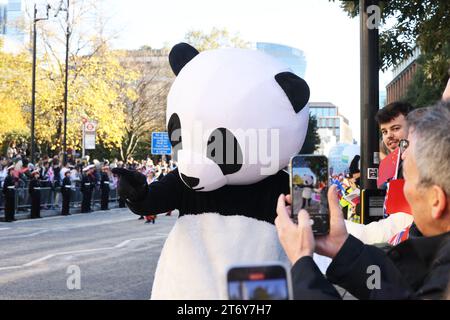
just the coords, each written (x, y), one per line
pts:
(174, 131)
(224, 149)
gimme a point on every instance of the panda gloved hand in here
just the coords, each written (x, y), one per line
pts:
(132, 185)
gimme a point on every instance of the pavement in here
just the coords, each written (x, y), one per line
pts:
(100, 255)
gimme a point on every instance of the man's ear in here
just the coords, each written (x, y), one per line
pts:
(438, 201)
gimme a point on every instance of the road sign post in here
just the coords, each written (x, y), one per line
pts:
(89, 134)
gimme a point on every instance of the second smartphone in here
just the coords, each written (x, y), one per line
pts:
(309, 176)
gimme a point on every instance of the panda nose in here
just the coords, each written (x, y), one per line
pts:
(190, 181)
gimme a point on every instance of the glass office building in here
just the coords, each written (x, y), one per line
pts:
(11, 16)
(3, 15)
(292, 57)
(328, 117)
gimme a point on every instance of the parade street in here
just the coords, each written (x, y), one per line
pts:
(100, 255)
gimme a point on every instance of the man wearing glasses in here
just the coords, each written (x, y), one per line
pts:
(417, 268)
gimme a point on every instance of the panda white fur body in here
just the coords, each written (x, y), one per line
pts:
(200, 248)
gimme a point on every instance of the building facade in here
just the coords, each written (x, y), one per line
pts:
(292, 57)
(153, 63)
(328, 117)
(402, 76)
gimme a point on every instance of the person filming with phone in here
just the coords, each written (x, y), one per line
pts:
(418, 268)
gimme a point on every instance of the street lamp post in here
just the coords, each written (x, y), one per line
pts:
(66, 78)
(33, 81)
(66, 83)
(369, 95)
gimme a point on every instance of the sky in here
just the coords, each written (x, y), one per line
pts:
(327, 36)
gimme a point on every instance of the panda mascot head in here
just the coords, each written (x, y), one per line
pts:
(308, 179)
(234, 116)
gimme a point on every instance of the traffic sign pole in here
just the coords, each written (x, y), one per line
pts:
(84, 138)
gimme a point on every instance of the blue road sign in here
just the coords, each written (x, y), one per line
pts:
(161, 143)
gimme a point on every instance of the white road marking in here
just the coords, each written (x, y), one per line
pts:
(29, 264)
(9, 268)
(47, 257)
(24, 235)
(65, 228)
(123, 244)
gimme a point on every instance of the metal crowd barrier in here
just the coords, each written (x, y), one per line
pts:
(51, 197)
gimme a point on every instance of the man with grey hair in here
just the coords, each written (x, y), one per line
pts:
(417, 268)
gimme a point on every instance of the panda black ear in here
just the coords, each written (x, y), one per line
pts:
(180, 55)
(295, 88)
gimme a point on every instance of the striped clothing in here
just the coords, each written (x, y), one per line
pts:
(407, 233)
(400, 237)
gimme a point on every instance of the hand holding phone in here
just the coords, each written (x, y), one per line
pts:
(267, 281)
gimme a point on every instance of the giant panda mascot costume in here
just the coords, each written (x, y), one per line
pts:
(234, 117)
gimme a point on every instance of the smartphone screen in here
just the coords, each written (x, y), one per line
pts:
(309, 188)
(259, 282)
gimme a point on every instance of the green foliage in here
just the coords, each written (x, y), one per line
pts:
(102, 152)
(143, 148)
(312, 140)
(423, 90)
(424, 24)
(409, 24)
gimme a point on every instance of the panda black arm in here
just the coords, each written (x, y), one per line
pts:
(161, 196)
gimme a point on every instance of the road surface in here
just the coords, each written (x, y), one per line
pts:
(100, 255)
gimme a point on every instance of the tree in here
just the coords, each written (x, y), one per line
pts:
(423, 24)
(217, 38)
(421, 92)
(312, 140)
(145, 108)
(145, 103)
(96, 80)
(15, 70)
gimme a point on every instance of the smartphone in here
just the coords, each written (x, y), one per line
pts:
(268, 281)
(309, 187)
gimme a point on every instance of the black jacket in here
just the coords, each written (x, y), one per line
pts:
(34, 183)
(66, 185)
(87, 183)
(104, 182)
(9, 182)
(258, 200)
(418, 268)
